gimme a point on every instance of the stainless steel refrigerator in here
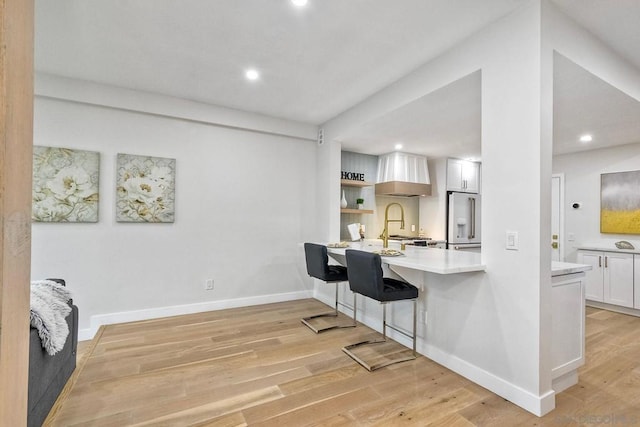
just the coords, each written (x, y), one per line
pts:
(463, 221)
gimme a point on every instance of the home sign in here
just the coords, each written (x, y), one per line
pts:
(353, 176)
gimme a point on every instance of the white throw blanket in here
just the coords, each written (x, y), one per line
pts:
(49, 308)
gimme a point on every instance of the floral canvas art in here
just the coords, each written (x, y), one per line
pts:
(145, 189)
(65, 185)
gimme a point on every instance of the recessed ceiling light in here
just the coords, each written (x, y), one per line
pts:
(586, 138)
(252, 74)
(398, 146)
(299, 3)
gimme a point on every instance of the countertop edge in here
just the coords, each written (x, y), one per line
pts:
(438, 261)
(564, 268)
(607, 249)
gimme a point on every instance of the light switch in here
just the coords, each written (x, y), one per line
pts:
(512, 240)
(413, 227)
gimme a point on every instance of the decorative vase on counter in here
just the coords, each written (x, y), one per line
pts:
(343, 202)
(360, 206)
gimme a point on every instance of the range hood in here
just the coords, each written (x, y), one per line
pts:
(403, 174)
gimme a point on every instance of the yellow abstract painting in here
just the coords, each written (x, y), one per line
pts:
(620, 202)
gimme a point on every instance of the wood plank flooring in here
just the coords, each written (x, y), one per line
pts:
(260, 366)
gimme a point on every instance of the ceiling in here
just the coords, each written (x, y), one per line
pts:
(444, 123)
(318, 61)
(315, 62)
(585, 104)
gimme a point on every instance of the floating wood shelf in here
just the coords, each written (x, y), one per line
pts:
(352, 183)
(356, 211)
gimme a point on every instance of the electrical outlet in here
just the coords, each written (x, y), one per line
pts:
(208, 285)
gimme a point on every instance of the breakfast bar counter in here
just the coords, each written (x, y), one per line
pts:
(439, 261)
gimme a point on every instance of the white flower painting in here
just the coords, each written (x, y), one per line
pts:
(145, 189)
(65, 185)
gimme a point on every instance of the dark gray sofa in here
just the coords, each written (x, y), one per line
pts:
(49, 374)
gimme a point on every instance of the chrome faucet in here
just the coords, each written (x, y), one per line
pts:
(385, 233)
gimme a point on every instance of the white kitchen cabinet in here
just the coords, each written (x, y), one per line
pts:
(594, 286)
(611, 280)
(463, 175)
(568, 329)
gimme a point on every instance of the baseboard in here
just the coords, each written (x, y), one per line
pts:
(536, 404)
(176, 310)
(612, 307)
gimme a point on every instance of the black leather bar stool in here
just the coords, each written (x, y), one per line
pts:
(318, 267)
(366, 278)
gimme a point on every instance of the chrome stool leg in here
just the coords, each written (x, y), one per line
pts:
(370, 367)
(306, 320)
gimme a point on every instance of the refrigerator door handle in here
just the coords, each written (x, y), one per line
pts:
(472, 212)
(474, 218)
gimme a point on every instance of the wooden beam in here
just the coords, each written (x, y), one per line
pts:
(16, 142)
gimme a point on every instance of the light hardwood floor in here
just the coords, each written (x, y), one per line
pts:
(260, 366)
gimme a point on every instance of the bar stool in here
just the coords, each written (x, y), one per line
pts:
(318, 267)
(366, 278)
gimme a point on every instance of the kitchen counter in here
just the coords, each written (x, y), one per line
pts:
(563, 268)
(440, 261)
(607, 248)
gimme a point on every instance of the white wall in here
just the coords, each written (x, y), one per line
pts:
(582, 184)
(244, 202)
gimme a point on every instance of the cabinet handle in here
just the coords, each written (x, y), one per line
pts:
(605, 261)
(599, 261)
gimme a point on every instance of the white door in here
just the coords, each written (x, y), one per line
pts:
(557, 215)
